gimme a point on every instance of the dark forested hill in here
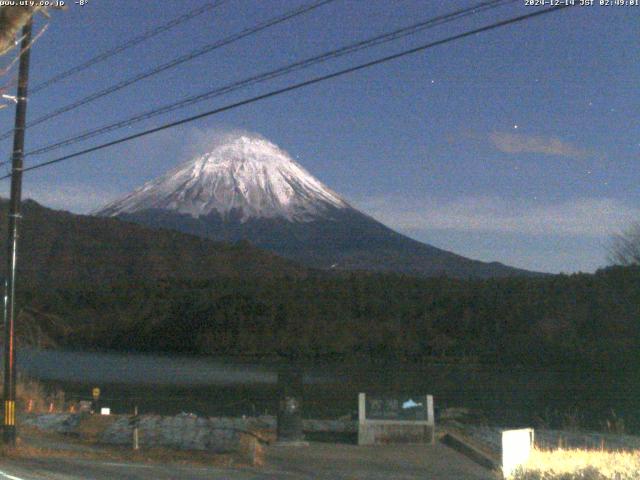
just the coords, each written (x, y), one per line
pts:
(580, 320)
(103, 283)
(59, 248)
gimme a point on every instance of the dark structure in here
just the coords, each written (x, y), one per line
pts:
(9, 424)
(290, 389)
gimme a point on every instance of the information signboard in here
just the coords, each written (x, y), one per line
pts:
(395, 407)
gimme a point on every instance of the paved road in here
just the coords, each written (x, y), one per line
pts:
(319, 461)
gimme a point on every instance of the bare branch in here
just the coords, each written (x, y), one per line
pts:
(625, 247)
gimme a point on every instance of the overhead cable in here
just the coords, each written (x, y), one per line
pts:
(253, 80)
(173, 63)
(101, 57)
(297, 86)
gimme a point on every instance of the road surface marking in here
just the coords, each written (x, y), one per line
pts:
(10, 477)
(125, 465)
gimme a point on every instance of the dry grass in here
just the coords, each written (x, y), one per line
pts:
(31, 440)
(252, 450)
(12, 19)
(92, 427)
(150, 455)
(581, 464)
(31, 396)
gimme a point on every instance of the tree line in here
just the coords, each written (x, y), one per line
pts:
(583, 319)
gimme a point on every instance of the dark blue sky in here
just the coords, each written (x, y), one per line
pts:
(519, 145)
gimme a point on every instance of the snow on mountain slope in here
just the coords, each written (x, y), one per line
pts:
(248, 189)
(245, 174)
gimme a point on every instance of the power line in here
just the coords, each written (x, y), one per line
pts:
(297, 86)
(374, 41)
(127, 45)
(175, 62)
(302, 64)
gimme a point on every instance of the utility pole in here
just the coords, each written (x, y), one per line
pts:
(9, 425)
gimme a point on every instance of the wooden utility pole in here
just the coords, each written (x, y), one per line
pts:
(9, 425)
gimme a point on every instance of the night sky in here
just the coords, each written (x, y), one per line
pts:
(519, 145)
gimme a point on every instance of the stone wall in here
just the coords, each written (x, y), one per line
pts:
(186, 432)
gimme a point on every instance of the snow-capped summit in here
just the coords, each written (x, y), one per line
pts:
(245, 174)
(248, 189)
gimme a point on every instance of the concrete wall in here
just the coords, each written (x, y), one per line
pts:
(375, 432)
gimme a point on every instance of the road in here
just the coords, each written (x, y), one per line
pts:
(318, 461)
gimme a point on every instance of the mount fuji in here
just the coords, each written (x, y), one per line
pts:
(247, 188)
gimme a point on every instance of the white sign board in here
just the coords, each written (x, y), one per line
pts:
(516, 449)
(105, 411)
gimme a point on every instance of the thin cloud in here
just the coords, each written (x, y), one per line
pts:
(520, 143)
(590, 217)
(203, 140)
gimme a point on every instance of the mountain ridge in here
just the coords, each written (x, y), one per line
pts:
(323, 245)
(61, 248)
(247, 188)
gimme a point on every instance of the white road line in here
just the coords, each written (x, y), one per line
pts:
(125, 465)
(10, 477)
